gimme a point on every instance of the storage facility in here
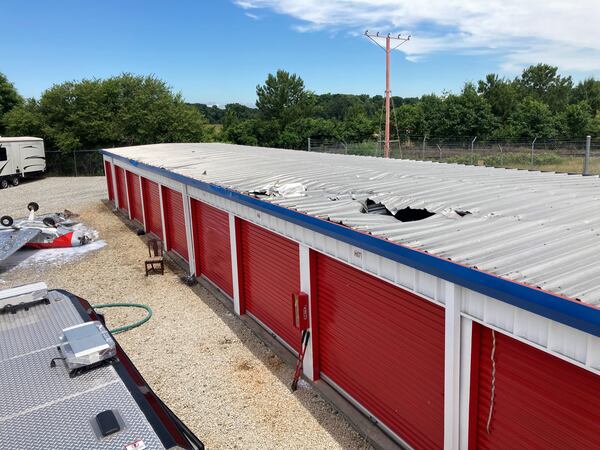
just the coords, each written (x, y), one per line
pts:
(455, 306)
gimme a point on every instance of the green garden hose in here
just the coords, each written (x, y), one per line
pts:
(127, 305)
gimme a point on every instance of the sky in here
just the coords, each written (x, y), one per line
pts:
(217, 51)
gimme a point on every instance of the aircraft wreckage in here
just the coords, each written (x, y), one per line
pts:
(56, 230)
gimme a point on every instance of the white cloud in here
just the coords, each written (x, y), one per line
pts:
(520, 32)
(252, 16)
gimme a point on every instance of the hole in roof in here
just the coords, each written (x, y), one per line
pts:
(410, 215)
(407, 214)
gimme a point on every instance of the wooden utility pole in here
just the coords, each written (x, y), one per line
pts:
(388, 49)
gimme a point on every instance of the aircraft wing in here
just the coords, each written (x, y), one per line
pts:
(13, 240)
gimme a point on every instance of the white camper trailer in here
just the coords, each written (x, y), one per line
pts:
(20, 157)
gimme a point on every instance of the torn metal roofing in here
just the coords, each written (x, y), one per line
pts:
(537, 228)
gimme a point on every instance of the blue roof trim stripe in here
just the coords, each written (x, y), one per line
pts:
(569, 312)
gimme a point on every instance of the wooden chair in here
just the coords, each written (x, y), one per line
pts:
(155, 263)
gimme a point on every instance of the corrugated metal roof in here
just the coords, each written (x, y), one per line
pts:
(538, 228)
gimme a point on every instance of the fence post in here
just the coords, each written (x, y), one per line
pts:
(309, 144)
(473, 150)
(532, 150)
(75, 161)
(440, 149)
(501, 156)
(586, 159)
(400, 147)
(423, 150)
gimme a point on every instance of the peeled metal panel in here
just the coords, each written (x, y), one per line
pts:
(121, 192)
(109, 180)
(151, 193)
(270, 273)
(385, 347)
(135, 196)
(213, 247)
(540, 401)
(175, 222)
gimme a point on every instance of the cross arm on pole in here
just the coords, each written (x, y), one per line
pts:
(401, 39)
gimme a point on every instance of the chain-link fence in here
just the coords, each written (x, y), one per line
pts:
(76, 163)
(558, 155)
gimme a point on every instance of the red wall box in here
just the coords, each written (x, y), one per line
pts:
(270, 272)
(212, 245)
(384, 346)
(121, 193)
(135, 196)
(151, 194)
(540, 401)
(175, 222)
(109, 180)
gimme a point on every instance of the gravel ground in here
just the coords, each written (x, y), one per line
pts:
(53, 194)
(223, 382)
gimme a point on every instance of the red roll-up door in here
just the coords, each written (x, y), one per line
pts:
(540, 401)
(121, 192)
(151, 193)
(135, 197)
(385, 347)
(212, 245)
(270, 273)
(109, 180)
(175, 222)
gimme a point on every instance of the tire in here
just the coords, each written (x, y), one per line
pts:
(49, 222)
(3, 183)
(6, 221)
(15, 181)
(33, 206)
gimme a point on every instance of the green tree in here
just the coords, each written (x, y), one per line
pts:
(213, 114)
(283, 98)
(595, 125)
(410, 120)
(337, 106)
(466, 115)
(501, 95)
(588, 91)
(357, 128)
(261, 132)
(242, 132)
(576, 120)
(495, 107)
(9, 98)
(432, 107)
(544, 83)
(236, 112)
(533, 118)
(122, 110)
(24, 120)
(296, 134)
